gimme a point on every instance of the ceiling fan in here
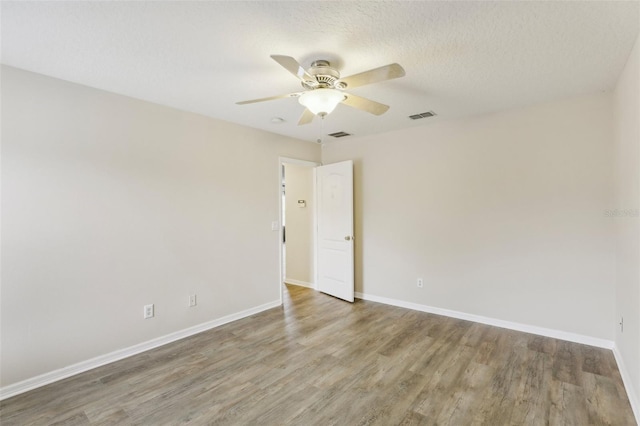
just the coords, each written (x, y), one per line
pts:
(324, 89)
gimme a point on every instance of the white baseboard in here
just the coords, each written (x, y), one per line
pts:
(298, 282)
(541, 331)
(63, 373)
(628, 384)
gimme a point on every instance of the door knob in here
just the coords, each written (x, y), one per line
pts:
(347, 238)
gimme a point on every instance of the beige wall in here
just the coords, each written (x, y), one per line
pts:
(299, 224)
(501, 215)
(627, 184)
(111, 203)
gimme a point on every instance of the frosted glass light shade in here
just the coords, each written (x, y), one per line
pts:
(321, 101)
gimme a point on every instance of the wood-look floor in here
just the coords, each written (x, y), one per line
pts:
(321, 361)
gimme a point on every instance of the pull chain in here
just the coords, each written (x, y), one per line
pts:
(322, 116)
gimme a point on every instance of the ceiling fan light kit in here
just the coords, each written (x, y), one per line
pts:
(324, 87)
(321, 101)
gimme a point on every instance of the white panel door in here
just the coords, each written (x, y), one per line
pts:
(335, 229)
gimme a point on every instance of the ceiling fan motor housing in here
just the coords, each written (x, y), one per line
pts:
(325, 76)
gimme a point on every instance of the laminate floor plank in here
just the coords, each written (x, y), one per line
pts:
(464, 401)
(396, 399)
(532, 397)
(567, 366)
(569, 405)
(321, 361)
(442, 381)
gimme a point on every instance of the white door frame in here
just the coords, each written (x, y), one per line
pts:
(281, 162)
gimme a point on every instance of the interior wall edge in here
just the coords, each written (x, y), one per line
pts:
(83, 366)
(628, 384)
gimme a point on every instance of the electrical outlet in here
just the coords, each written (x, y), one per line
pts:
(192, 300)
(621, 324)
(148, 311)
(420, 283)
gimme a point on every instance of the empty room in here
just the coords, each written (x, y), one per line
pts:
(320, 213)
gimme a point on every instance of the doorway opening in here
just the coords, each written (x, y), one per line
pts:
(297, 219)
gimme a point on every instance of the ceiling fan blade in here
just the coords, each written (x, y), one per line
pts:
(270, 98)
(387, 72)
(293, 67)
(365, 104)
(306, 118)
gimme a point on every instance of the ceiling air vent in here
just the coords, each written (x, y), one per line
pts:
(339, 134)
(422, 115)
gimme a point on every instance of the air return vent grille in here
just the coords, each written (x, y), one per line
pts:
(339, 134)
(422, 115)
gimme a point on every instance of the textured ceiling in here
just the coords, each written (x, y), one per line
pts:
(461, 58)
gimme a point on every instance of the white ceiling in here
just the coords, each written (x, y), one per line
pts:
(461, 58)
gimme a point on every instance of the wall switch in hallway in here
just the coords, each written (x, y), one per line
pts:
(274, 226)
(148, 311)
(420, 283)
(192, 300)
